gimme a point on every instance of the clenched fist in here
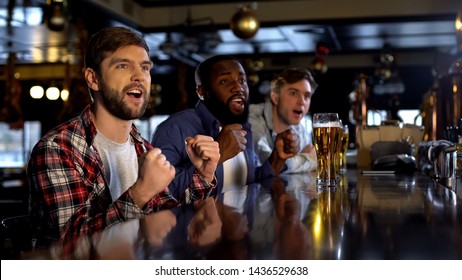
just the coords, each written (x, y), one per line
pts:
(157, 225)
(287, 145)
(204, 153)
(154, 175)
(232, 141)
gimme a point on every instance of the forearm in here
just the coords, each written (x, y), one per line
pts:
(302, 162)
(277, 164)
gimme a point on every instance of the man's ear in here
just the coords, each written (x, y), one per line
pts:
(275, 98)
(91, 78)
(200, 92)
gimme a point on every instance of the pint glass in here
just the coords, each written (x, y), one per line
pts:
(327, 133)
(344, 148)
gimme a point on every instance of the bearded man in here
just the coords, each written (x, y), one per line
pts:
(222, 112)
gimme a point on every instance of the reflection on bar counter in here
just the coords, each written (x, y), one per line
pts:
(289, 218)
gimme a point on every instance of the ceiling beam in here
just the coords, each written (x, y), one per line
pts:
(279, 11)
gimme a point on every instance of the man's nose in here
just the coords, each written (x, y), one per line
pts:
(137, 74)
(236, 86)
(301, 99)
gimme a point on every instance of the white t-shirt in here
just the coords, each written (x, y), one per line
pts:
(234, 181)
(120, 164)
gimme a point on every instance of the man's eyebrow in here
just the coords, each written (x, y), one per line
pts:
(115, 60)
(229, 72)
(224, 73)
(295, 89)
(148, 62)
(118, 60)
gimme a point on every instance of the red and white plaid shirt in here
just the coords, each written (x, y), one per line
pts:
(69, 192)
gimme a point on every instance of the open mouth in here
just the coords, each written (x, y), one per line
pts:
(135, 93)
(298, 112)
(237, 104)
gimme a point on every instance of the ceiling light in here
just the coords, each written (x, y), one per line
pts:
(245, 23)
(52, 93)
(56, 20)
(458, 24)
(64, 94)
(36, 92)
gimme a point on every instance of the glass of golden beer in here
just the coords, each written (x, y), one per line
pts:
(343, 150)
(327, 137)
(338, 152)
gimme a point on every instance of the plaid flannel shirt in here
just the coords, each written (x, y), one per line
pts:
(69, 192)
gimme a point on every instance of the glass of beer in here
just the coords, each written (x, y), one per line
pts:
(327, 137)
(338, 153)
(343, 150)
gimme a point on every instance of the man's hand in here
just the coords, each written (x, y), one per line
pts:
(232, 141)
(235, 224)
(287, 145)
(157, 225)
(293, 239)
(204, 153)
(205, 227)
(154, 175)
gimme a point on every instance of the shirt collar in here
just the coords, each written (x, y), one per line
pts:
(209, 122)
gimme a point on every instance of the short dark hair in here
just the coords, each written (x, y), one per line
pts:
(204, 69)
(108, 40)
(291, 76)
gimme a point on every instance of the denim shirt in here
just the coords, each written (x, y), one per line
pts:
(169, 137)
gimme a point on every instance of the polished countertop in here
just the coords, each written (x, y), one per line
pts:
(402, 216)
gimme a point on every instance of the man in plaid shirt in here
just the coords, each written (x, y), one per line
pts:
(96, 170)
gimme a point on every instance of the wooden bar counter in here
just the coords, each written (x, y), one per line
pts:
(403, 216)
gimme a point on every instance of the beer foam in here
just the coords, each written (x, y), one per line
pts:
(328, 124)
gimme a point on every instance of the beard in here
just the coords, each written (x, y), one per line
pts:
(222, 112)
(113, 100)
